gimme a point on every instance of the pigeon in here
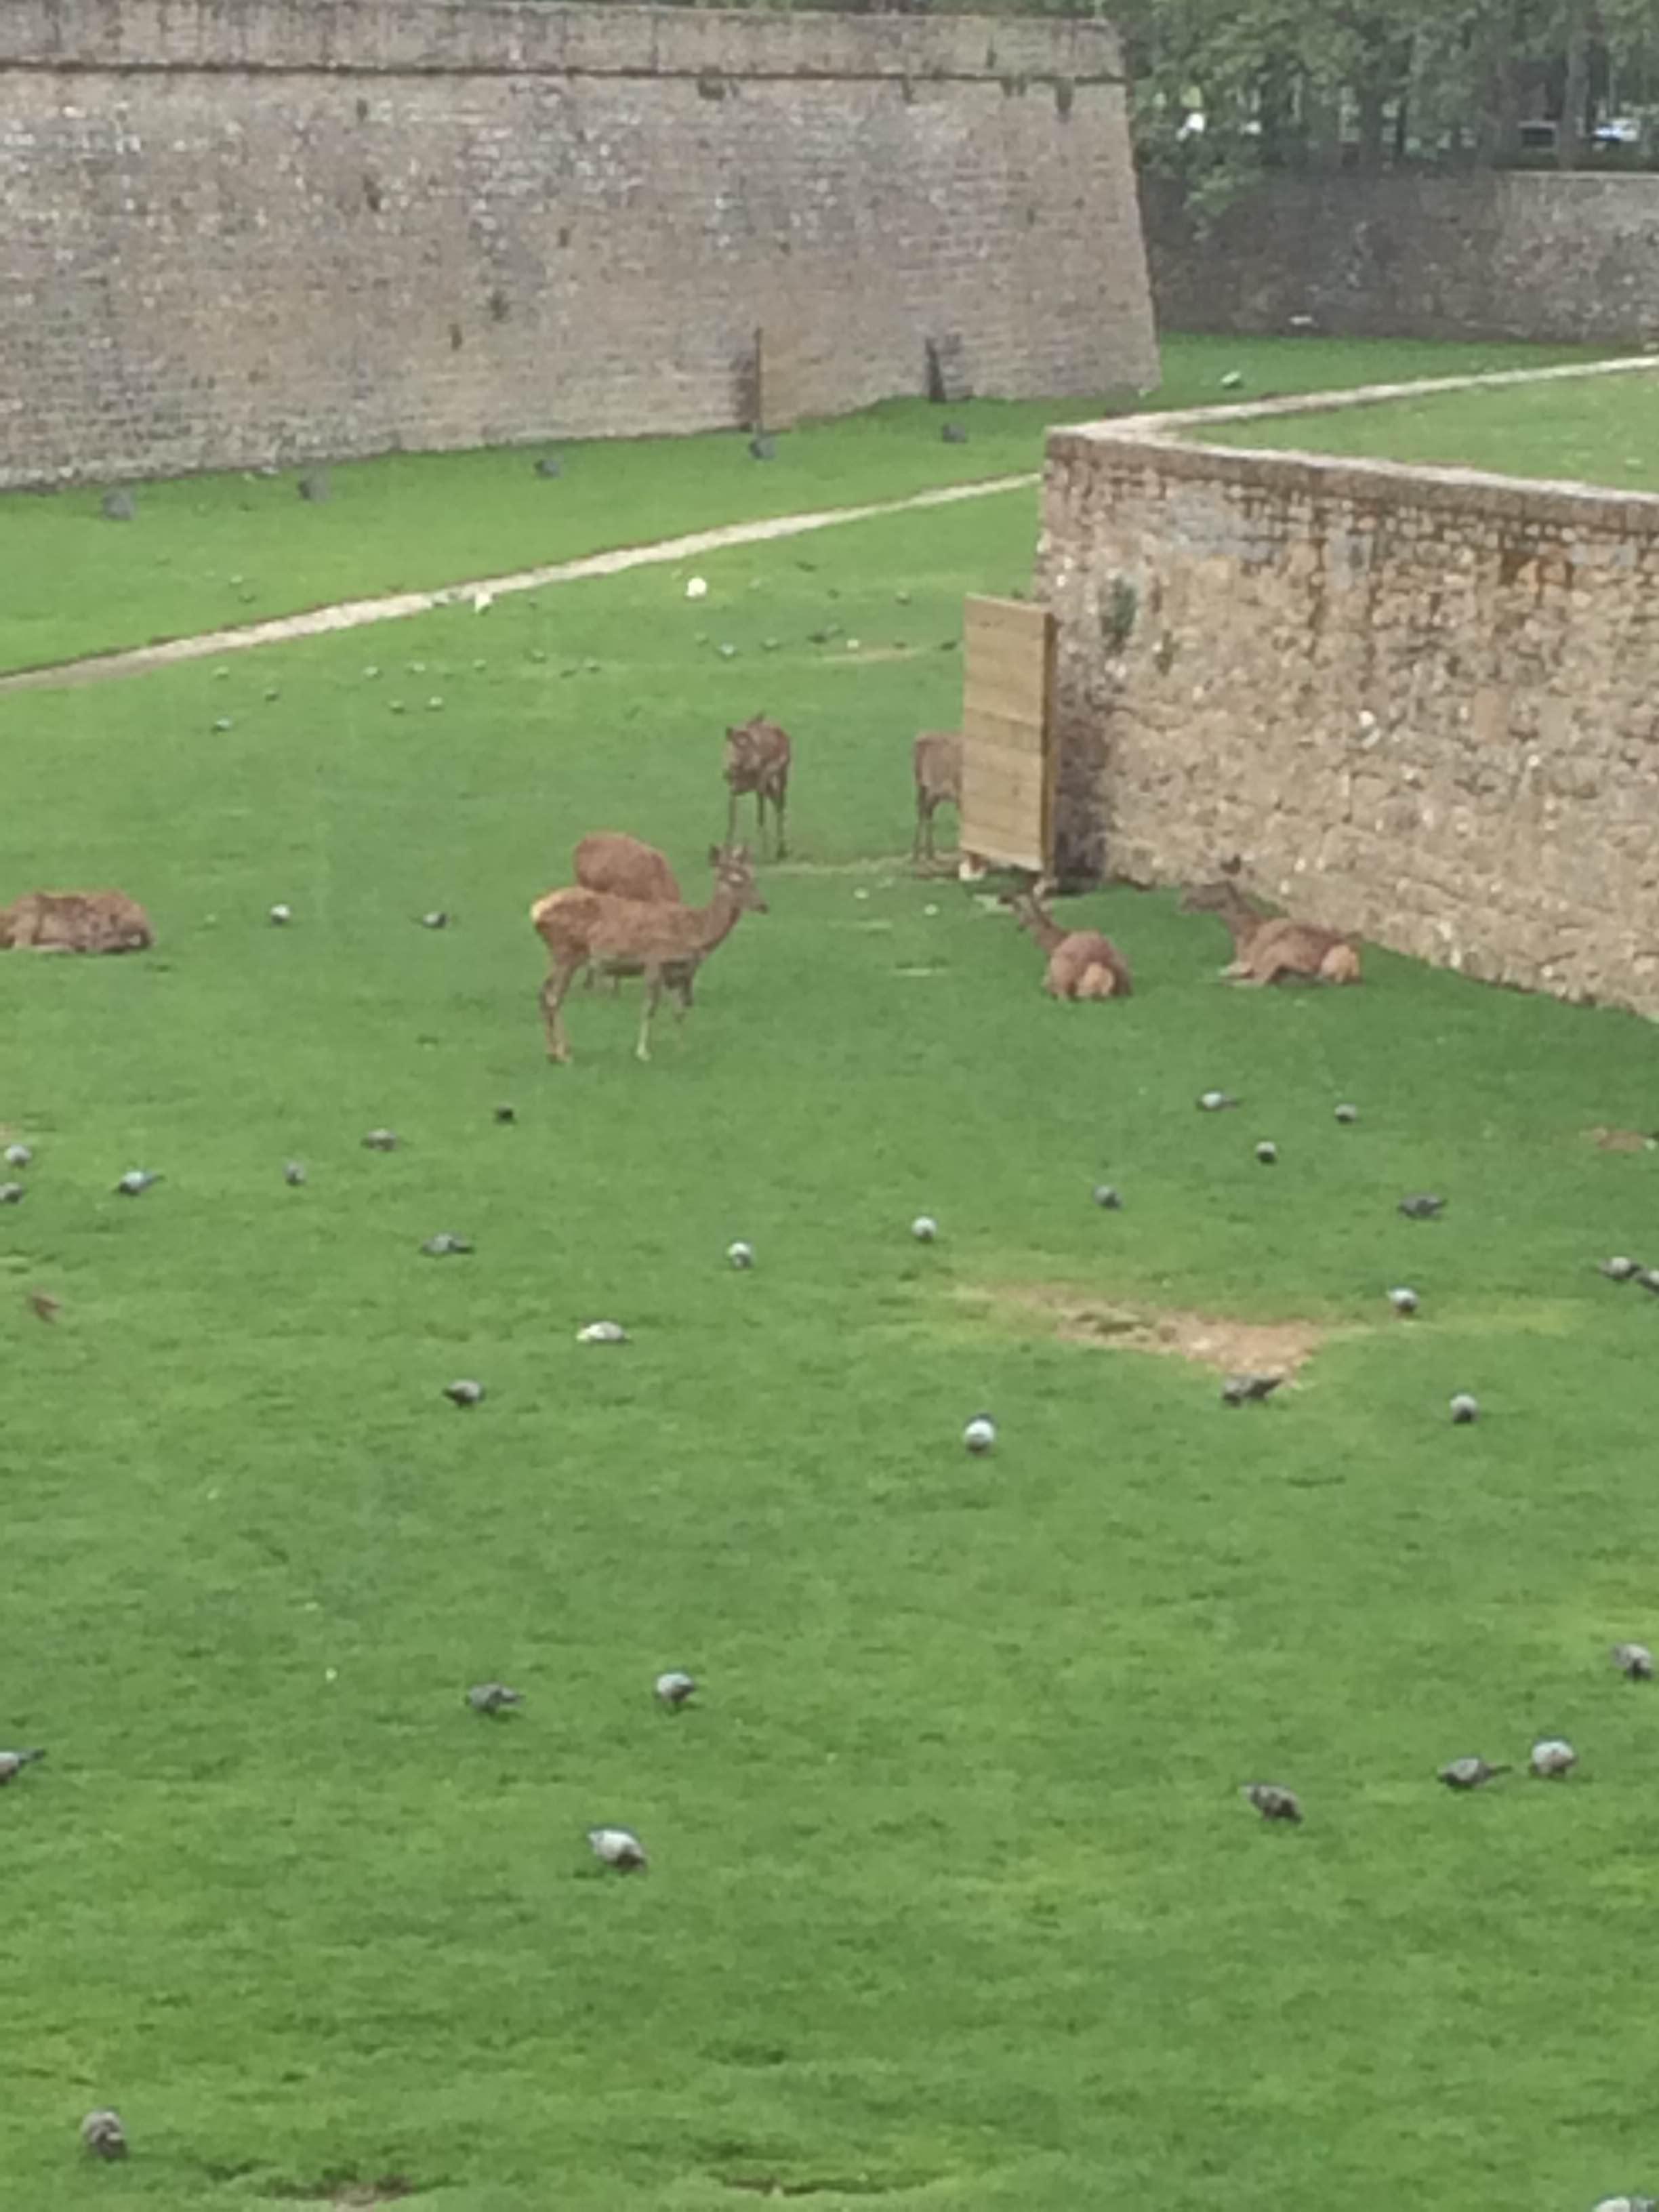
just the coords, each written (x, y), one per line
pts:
(44, 1306)
(1616, 1270)
(506, 1113)
(549, 465)
(953, 434)
(1267, 1153)
(1627, 2204)
(1273, 1802)
(1243, 1389)
(444, 1246)
(675, 1689)
(762, 448)
(12, 1193)
(313, 485)
(135, 1182)
(924, 1228)
(18, 1155)
(380, 1140)
(601, 1332)
(293, 1174)
(617, 1847)
(1403, 1300)
(104, 2136)
(1212, 1101)
(1469, 1773)
(981, 1435)
(1648, 1278)
(281, 915)
(1633, 1661)
(1422, 1207)
(12, 1763)
(1107, 1195)
(464, 1392)
(1552, 1759)
(493, 1698)
(740, 1254)
(1348, 1113)
(119, 507)
(1465, 1408)
(436, 919)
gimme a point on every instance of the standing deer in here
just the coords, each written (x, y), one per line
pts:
(76, 922)
(937, 761)
(757, 760)
(1082, 964)
(626, 867)
(636, 937)
(1271, 948)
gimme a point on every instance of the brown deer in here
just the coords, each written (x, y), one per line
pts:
(1271, 948)
(937, 762)
(75, 922)
(639, 937)
(626, 867)
(1082, 964)
(757, 760)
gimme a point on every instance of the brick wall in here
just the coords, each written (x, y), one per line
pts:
(243, 230)
(1422, 704)
(1555, 259)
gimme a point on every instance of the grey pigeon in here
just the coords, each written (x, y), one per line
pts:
(104, 2136)
(1423, 1207)
(1273, 1802)
(464, 1392)
(1465, 1408)
(119, 507)
(617, 1847)
(1267, 1153)
(549, 465)
(1552, 1759)
(740, 1254)
(281, 914)
(675, 1689)
(493, 1698)
(1212, 1101)
(436, 919)
(18, 1155)
(294, 1173)
(762, 448)
(1346, 1112)
(953, 434)
(1403, 1300)
(315, 486)
(443, 1246)
(11, 1194)
(380, 1140)
(12, 1763)
(135, 1182)
(1109, 1196)
(507, 1114)
(1469, 1773)
(1616, 1270)
(1633, 1661)
(1243, 1389)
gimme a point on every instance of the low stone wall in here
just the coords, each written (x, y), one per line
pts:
(1422, 704)
(1561, 259)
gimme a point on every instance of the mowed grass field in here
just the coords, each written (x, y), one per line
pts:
(1597, 429)
(952, 1901)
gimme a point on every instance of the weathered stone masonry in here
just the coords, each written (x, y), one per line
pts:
(242, 230)
(1421, 703)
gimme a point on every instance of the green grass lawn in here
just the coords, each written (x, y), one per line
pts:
(213, 551)
(953, 1902)
(1598, 429)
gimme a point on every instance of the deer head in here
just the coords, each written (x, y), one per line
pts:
(734, 872)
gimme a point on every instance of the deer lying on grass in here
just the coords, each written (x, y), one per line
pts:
(758, 761)
(1082, 964)
(1271, 948)
(937, 760)
(633, 937)
(626, 867)
(75, 922)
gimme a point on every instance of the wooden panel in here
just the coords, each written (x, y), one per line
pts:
(781, 366)
(1007, 750)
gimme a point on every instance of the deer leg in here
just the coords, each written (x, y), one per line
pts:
(652, 993)
(732, 820)
(922, 822)
(779, 799)
(552, 999)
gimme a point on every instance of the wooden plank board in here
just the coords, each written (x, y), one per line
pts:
(1007, 751)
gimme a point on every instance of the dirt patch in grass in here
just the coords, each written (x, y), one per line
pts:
(1220, 1342)
(391, 2188)
(1619, 1141)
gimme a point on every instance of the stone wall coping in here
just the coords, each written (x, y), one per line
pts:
(1557, 502)
(529, 38)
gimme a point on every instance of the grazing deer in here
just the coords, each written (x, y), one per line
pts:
(757, 760)
(1271, 948)
(637, 936)
(75, 922)
(937, 760)
(1082, 964)
(611, 861)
